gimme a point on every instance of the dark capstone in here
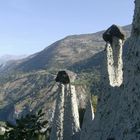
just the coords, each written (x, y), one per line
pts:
(62, 77)
(111, 139)
(111, 32)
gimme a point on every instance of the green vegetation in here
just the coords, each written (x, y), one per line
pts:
(24, 87)
(27, 128)
(94, 102)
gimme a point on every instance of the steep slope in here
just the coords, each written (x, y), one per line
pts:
(64, 53)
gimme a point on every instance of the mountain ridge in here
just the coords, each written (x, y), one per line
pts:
(66, 52)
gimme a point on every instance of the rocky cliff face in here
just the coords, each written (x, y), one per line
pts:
(117, 116)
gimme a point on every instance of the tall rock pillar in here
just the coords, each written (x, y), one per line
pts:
(71, 115)
(57, 127)
(114, 38)
(111, 80)
(66, 118)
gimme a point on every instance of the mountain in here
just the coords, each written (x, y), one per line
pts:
(6, 58)
(30, 81)
(67, 51)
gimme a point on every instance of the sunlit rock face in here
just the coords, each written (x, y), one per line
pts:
(57, 127)
(66, 118)
(71, 115)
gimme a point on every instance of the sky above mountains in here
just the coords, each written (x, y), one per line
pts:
(28, 26)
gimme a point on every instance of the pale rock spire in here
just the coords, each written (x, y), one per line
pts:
(114, 38)
(71, 115)
(111, 79)
(66, 118)
(57, 127)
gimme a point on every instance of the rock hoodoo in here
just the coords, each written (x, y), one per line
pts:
(66, 118)
(114, 38)
(111, 80)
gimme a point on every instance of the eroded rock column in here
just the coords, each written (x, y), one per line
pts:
(111, 80)
(114, 38)
(71, 115)
(66, 118)
(57, 127)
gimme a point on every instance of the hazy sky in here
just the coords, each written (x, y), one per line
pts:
(28, 26)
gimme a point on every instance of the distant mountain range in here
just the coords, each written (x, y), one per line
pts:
(30, 81)
(6, 58)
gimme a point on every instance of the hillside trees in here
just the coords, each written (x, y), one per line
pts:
(27, 128)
